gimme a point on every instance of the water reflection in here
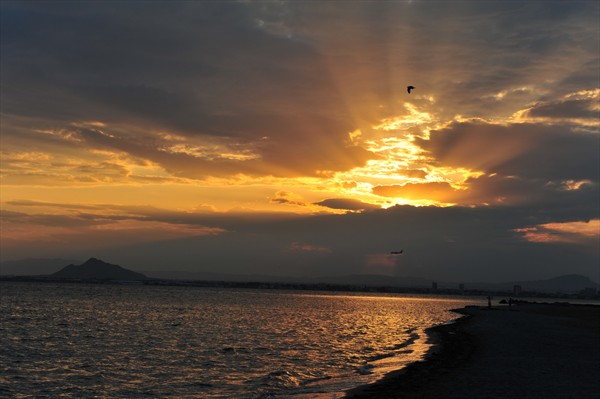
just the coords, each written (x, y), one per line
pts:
(175, 342)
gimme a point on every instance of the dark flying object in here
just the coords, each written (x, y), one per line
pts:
(397, 252)
(409, 88)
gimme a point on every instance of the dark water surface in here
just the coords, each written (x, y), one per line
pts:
(117, 341)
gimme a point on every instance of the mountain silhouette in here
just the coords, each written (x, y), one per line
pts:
(566, 283)
(96, 269)
(569, 283)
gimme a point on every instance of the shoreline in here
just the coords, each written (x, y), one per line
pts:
(530, 351)
(449, 346)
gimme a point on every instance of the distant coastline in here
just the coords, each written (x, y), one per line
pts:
(329, 287)
(571, 286)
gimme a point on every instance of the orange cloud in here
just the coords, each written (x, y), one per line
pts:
(492, 190)
(567, 232)
(349, 185)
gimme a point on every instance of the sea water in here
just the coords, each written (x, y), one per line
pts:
(123, 341)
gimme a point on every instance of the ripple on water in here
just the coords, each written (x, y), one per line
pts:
(77, 340)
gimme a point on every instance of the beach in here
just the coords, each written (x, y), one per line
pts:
(525, 351)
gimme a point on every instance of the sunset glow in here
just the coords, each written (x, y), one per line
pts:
(154, 131)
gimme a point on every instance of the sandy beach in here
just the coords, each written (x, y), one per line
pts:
(528, 351)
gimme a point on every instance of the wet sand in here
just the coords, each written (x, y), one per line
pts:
(529, 351)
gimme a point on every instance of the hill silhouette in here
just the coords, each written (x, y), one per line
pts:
(96, 269)
(566, 283)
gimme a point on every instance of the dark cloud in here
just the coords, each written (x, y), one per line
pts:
(458, 52)
(501, 191)
(456, 243)
(293, 157)
(50, 220)
(150, 213)
(570, 108)
(286, 197)
(545, 152)
(467, 244)
(584, 77)
(301, 75)
(347, 204)
(215, 74)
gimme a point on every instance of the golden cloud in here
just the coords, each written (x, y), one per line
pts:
(566, 232)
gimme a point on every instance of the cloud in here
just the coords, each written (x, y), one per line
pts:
(52, 220)
(214, 80)
(288, 198)
(307, 248)
(526, 150)
(455, 243)
(414, 173)
(289, 83)
(458, 62)
(581, 108)
(66, 166)
(56, 228)
(576, 109)
(344, 204)
(76, 215)
(347, 204)
(587, 232)
(265, 157)
(499, 191)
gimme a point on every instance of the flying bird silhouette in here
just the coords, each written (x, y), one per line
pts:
(397, 252)
(409, 88)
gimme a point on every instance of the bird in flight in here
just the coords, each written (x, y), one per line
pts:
(409, 88)
(397, 252)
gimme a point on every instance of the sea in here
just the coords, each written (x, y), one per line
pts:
(66, 340)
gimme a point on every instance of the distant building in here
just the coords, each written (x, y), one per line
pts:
(517, 290)
(434, 285)
(461, 287)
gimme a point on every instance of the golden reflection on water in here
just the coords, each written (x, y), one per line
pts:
(78, 340)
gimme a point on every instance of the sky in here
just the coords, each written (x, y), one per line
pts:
(278, 137)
